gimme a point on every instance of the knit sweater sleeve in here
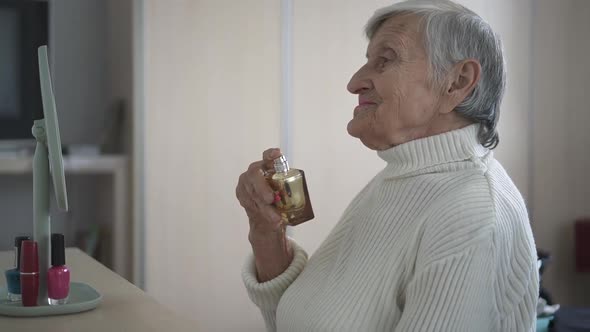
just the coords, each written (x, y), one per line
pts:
(266, 295)
(451, 294)
(452, 285)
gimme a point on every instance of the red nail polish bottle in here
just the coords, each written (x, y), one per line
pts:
(29, 273)
(58, 276)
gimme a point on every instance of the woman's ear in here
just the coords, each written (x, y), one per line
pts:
(463, 79)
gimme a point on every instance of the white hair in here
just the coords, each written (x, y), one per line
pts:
(453, 33)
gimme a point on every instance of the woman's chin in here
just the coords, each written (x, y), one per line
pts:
(357, 126)
(357, 132)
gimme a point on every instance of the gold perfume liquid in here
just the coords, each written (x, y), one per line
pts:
(291, 194)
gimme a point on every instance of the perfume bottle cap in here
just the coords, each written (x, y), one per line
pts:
(29, 257)
(58, 251)
(281, 164)
(18, 241)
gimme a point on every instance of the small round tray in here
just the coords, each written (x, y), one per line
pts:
(82, 297)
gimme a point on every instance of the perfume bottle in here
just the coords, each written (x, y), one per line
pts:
(291, 194)
(58, 276)
(13, 275)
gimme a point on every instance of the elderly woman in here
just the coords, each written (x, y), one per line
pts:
(439, 240)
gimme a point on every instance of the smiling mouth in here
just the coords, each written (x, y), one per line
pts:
(364, 107)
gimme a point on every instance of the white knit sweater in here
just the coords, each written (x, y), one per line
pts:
(437, 241)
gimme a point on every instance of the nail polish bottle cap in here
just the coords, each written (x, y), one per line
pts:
(29, 257)
(58, 251)
(18, 241)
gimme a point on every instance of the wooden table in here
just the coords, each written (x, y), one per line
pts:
(124, 307)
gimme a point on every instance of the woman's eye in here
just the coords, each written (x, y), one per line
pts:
(383, 61)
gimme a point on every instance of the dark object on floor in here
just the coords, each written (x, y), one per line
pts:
(571, 320)
(545, 258)
(582, 244)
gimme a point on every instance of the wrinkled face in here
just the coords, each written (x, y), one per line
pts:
(397, 102)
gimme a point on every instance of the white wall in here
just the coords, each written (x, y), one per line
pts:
(512, 21)
(212, 105)
(560, 138)
(327, 50)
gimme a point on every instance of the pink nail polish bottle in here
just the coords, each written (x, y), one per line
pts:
(58, 276)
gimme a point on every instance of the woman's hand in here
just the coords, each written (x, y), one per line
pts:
(272, 251)
(256, 196)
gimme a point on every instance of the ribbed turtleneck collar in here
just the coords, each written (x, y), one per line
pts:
(452, 146)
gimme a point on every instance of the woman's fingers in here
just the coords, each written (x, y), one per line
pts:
(256, 196)
(254, 193)
(256, 183)
(271, 154)
(268, 156)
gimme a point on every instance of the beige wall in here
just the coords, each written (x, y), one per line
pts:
(212, 100)
(512, 21)
(327, 50)
(561, 185)
(211, 104)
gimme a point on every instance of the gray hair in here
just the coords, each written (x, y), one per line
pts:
(453, 33)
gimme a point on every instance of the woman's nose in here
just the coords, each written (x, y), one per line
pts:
(359, 82)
